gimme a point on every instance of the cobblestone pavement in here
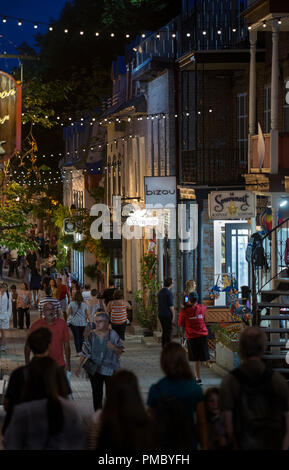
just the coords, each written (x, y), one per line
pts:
(140, 357)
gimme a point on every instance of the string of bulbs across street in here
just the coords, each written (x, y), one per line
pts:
(99, 34)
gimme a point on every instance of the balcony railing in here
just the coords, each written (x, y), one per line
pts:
(190, 36)
(212, 166)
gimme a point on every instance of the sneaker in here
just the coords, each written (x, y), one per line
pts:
(199, 381)
(3, 349)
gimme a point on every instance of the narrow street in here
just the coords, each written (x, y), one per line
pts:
(141, 356)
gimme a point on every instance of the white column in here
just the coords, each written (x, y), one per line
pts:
(274, 98)
(252, 93)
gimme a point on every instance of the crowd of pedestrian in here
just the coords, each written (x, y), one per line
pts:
(249, 411)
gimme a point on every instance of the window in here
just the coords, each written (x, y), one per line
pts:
(78, 199)
(242, 126)
(267, 109)
(286, 106)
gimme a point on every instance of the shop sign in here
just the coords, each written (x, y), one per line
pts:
(160, 190)
(142, 218)
(10, 116)
(232, 205)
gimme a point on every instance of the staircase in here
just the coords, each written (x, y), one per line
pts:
(271, 300)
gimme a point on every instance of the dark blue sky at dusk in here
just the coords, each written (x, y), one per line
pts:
(12, 35)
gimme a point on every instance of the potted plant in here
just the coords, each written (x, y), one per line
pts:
(146, 297)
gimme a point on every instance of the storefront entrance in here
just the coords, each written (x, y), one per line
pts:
(230, 243)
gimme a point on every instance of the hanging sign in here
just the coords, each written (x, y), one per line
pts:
(10, 116)
(160, 190)
(232, 205)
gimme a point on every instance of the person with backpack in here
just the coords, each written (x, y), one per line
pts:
(5, 313)
(176, 403)
(254, 399)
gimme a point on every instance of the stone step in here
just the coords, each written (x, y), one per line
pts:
(274, 356)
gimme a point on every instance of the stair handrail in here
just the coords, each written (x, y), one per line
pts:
(267, 236)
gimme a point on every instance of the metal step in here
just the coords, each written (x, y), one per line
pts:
(276, 330)
(272, 305)
(282, 371)
(274, 317)
(278, 345)
(275, 356)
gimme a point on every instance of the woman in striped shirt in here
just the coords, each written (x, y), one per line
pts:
(117, 310)
(78, 319)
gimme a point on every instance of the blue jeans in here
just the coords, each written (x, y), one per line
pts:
(77, 332)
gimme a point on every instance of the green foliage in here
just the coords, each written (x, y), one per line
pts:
(15, 211)
(146, 297)
(91, 271)
(59, 214)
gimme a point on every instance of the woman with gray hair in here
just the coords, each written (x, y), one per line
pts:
(100, 356)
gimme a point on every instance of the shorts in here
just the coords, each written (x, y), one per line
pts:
(4, 324)
(198, 349)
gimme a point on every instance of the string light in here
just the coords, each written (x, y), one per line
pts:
(19, 23)
(4, 19)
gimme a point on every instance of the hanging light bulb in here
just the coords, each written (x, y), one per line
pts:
(4, 19)
(50, 28)
(35, 26)
(19, 22)
(97, 34)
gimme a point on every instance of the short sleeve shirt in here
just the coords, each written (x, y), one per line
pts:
(165, 301)
(60, 335)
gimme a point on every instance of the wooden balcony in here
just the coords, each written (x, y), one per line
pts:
(283, 163)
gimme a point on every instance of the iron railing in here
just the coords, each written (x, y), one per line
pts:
(212, 166)
(263, 275)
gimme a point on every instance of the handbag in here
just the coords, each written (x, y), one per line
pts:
(90, 366)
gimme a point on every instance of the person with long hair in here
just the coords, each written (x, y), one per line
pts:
(53, 286)
(78, 319)
(35, 285)
(117, 309)
(41, 292)
(45, 420)
(216, 427)
(176, 403)
(24, 303)
(123, 424)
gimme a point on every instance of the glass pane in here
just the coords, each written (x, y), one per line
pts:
(243, 278)
(234, 255)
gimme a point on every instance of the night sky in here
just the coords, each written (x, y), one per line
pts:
(12, 35)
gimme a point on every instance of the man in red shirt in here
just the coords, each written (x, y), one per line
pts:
(60, 336)
(62, 292)
(192, 323)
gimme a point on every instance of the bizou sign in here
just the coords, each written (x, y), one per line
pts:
(160, 190)
(232, 205)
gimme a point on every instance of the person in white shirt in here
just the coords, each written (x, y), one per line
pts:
(5, 313)
(86, 293)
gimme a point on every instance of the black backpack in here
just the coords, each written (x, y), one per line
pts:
(255, 252)
(259, 413)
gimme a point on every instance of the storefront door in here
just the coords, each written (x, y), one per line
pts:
(237, 236)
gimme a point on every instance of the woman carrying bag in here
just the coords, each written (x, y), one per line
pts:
(100, 356)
